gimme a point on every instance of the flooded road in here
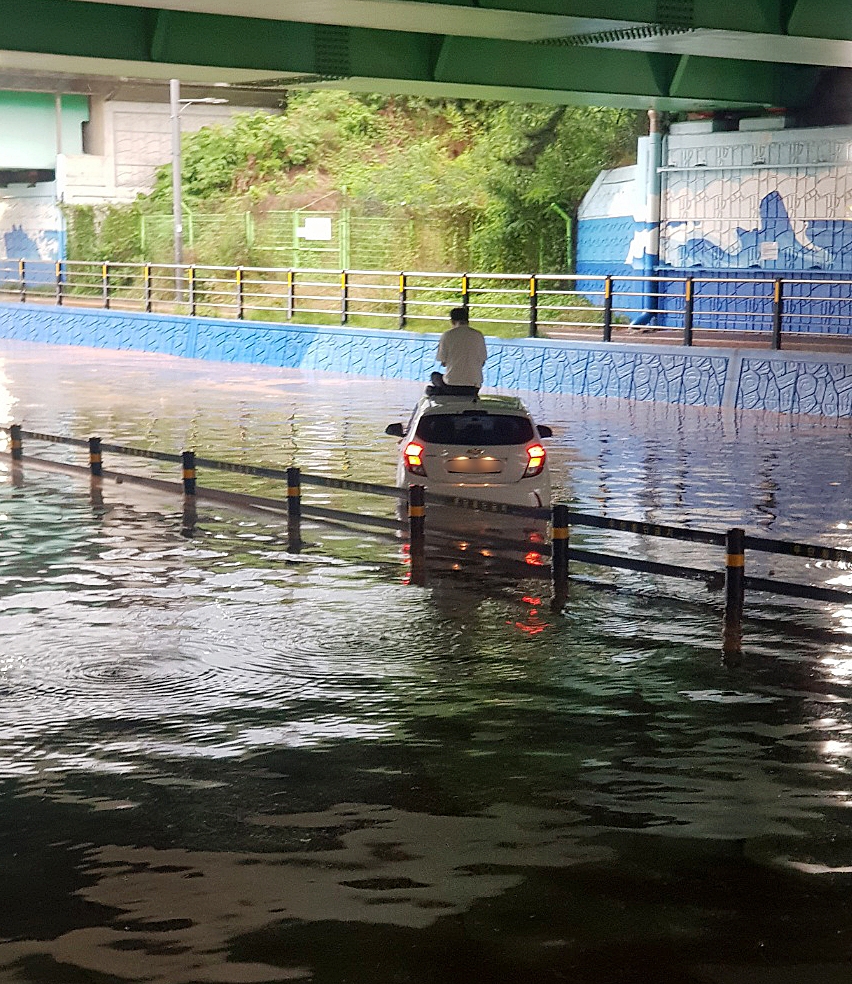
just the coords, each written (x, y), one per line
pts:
(220, 761)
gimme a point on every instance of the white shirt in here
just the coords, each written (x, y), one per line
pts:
(462, 351)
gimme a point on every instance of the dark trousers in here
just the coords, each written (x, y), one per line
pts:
(438, 386)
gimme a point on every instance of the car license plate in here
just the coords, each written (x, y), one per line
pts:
(474, 466)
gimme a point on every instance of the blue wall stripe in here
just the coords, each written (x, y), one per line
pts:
(754, 380)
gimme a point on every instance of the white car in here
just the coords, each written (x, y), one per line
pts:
(479, 447)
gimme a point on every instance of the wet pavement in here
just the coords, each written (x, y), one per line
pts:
(223, 761)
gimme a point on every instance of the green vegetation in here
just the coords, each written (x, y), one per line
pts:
(417, 184)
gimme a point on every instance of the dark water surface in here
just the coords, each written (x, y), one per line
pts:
(224, 762)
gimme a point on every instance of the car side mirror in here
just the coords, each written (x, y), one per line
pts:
(395, 430)
(544, 430)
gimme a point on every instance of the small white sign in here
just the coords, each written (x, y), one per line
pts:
(315, 227)
(769, 251)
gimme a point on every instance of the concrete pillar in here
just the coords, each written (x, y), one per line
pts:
(645, 249)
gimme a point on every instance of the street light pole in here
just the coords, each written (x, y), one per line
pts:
(177, 215)
(178, 105)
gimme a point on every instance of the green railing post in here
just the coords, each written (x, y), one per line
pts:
(147, 288)
(291, 294)
(295, 238)
(105, 285)
(190, 274)
(344, 227)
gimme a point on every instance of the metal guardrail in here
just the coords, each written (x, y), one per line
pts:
(769, 309)
(560, 517)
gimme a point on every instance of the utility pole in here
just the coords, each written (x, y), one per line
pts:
(177, 215)
(178, 105)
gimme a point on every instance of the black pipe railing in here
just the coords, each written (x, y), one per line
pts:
(767, 309)
(560, 517)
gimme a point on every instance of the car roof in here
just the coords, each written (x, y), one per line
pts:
(443, 403)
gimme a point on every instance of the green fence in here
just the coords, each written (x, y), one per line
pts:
(311, 240)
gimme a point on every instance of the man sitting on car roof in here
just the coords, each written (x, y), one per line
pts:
(462, 352)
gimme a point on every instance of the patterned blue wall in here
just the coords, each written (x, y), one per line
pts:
(824, 244)
(703, 377)
(603, 245)
(771, 200)
(751, 205)
(31, 228)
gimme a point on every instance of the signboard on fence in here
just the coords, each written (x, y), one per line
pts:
(316, 227)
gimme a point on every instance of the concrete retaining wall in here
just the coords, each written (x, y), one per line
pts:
(744, 379)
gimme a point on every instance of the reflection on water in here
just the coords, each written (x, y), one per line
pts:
(223, 761)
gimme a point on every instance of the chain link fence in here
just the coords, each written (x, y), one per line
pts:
(305, 239)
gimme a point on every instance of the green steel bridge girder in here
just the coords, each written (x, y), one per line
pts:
(603, 64)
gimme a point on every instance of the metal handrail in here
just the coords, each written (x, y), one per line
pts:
(520, 304)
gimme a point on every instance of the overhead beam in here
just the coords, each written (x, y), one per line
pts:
(456, 17)
(535, 20)
(821, 19)
(157, 43)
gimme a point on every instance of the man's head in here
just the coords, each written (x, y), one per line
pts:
(458, 316)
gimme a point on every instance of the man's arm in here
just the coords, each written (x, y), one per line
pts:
(441, 355)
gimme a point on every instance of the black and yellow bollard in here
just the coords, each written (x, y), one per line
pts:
(732, 637)
(95, 463)
(190, 511)
(417, 533)
(294, 509)
(16, 445)
(559, 555)
(188, 460)
(17, 451)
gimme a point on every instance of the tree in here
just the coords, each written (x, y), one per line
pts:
(540, 156)
(494, 168)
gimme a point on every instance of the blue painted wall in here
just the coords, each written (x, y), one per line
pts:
(600, 242)
(697, 377)
(770, 200)
(607, 223)
(753, 205)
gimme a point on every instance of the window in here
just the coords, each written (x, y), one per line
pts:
(474, 430)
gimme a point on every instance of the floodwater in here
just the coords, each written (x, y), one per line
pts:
(221, 761)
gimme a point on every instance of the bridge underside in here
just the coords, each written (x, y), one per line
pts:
(675, 55)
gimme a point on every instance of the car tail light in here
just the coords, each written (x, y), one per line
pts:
(413, 458)
(537, 456)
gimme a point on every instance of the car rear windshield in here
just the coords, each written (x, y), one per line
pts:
(474, 430)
